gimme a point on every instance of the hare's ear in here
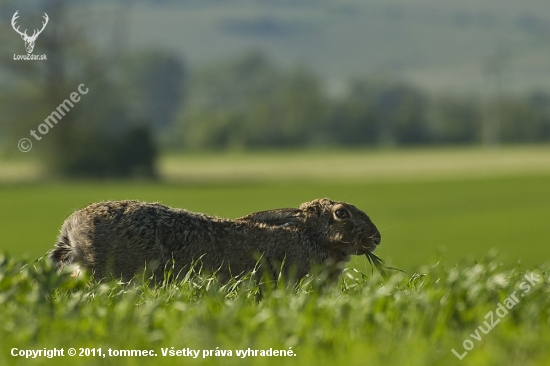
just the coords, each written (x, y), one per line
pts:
(279, 217)
(312, 208)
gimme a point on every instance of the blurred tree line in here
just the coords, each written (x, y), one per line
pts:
(249, 103)
(111, 131)
(140, 102)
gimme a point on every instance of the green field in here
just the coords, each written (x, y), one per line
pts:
(454, 216)
(419, 221)
(440, 213)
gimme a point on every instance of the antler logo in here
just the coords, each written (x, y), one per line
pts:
(29, 40)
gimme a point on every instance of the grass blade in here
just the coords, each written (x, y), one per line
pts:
(375, 261)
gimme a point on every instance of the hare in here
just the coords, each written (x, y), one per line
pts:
(122, 238)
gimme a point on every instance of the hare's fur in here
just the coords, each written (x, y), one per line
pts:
(122, 238)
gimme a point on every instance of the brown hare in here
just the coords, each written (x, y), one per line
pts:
(120, 239)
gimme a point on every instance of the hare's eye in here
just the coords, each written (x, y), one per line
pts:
(342, 213)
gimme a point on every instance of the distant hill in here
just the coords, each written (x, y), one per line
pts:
(440, 45)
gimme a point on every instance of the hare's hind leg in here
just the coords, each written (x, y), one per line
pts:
(74, 245)
(63, 254)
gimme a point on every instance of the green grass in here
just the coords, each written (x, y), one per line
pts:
(403, 320)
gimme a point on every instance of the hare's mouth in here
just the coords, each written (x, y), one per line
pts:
(371, 244)
(365, 249)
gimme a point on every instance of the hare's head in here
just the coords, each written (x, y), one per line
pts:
(341, 226)
(337, 226)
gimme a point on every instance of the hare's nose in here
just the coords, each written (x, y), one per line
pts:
(377, 238)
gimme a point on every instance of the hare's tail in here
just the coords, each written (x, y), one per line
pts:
(63, 253)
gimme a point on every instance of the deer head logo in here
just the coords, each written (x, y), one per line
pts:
(29, 40)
